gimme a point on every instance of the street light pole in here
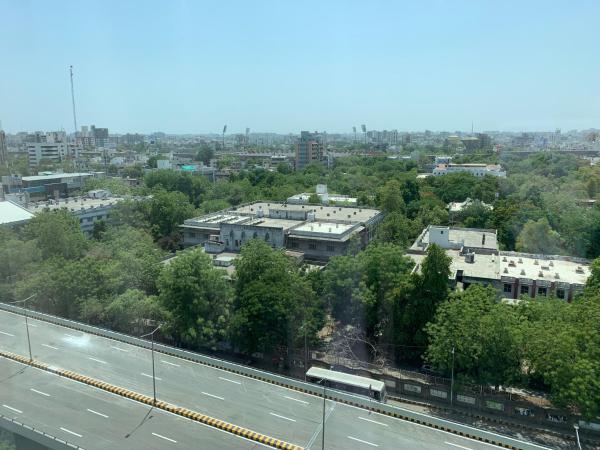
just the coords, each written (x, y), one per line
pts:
(151, 334)
(323, 435)
(577, 434)
(26, 322)
(452, 380)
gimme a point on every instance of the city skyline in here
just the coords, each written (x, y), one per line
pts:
(186, 69)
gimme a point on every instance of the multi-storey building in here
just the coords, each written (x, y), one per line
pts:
(309, 148)
(479, 170)
(319, 232)
(476, 259)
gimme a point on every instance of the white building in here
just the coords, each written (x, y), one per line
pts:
(476, 259)
(478, 170)
(324, 197)
(12, 214)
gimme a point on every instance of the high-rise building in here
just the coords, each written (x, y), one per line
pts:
(3, 151)
(309, 148)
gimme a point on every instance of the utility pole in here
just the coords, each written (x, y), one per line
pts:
(26, 323)
(73, 99)
(323, 434)
(224, 130)
(577, 435)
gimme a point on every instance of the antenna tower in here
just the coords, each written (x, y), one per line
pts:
(73, 99)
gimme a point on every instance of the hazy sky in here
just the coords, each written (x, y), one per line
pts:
(283, 66)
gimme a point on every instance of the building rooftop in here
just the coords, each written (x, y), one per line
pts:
(13, 214)
(56, 176)
(455, 238)
(322, 213)
(544, 267)
(72, 204)
(326, 228)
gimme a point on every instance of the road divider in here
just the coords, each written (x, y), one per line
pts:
(184, 412)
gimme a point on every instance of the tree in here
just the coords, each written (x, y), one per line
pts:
(272, 301)
(168, 210)
(482, 332)
(314, 199)
(429, 290)
(205, 154)
(129, 311)
(57, 234)
(396, 229)
(562, 350)
(390, 197)
(539, 237)
(197, 297)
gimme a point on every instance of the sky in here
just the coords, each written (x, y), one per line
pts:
(284, 66)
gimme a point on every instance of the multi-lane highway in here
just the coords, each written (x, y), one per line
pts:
(95, 419)
(273, 410)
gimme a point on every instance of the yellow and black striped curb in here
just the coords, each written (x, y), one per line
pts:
(184, 412)
(315, 392)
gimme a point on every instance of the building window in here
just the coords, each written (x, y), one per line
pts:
(267, 237)
(254, 235)
(542, 291)
(312, 246)
(243, 236)
(330, 248)
(294, 244)
(508, 288)
(524, 289)
(560, 293)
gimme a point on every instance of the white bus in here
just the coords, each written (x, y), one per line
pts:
(367, 387)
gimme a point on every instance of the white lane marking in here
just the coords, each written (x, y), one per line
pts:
(97, 413)
(33, 325)
(231, 381)
(69, 335)
(459, 446)
(50, 346)
(283, 417)
(165, 438)
(71, 432)
(169, 363)
(39, 392)
(97, 360)
(13, 409)
(364, 442)
(120, 349)
(7, 334)
(212, 395)
(150, 376)
(373, 421)
(295, 399)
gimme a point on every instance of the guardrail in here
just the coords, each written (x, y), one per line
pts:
(309, 388)
(35, 435)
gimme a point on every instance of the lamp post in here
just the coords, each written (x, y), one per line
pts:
(323, 434)
(151, 334)
(452, 380)
(577, 435)
(26, 322)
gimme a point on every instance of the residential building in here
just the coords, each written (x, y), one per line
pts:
(309, 148)
(318, 232)
(456, 207)
(88, 209)
(479, 170)
(324, 197)
(53, 152)
(476, 259)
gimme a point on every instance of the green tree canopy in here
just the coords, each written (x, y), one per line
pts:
(538, 237)
(57, 234)
(272, 301)
(198, 299)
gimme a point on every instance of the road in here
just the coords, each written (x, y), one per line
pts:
(273, 410)
(95, 419)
